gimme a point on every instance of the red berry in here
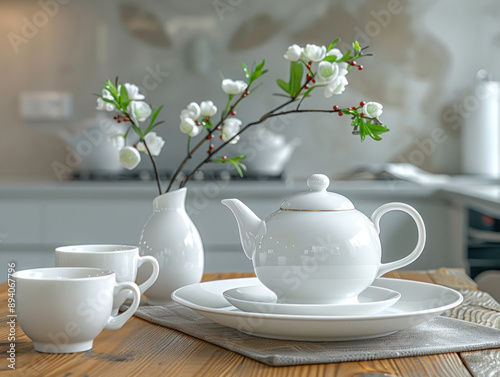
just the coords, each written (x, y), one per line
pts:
(362, 103)
(233, 113)
(335, 107)
(115, 117)
(362, 114)
(198, 123)
(211, 146)
(309, 63)
(220, 136)
(135, 145)
(341, 113)
(119, 121)
(309, 77)
(314, 81)
(360, 68)
(218, 127)
(244, 94)
(224, 157)
(353, 63)
(306, 87)
(209, 137)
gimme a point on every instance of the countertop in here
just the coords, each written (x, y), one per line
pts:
(141, 347)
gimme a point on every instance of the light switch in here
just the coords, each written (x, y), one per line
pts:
(46, 105)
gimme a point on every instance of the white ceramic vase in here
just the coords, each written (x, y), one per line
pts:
(171, 237)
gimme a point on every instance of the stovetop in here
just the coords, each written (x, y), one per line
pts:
(148, 175)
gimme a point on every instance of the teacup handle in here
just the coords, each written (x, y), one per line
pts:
(116, 322)
(379, 212)
(156, 270)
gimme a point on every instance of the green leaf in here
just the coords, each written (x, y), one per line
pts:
(137, 130)
(355, 46)
(155, 125)
(153, 119)
(255, 75)
(261, 65)
(228, 105)
(379, 128)
(124, 100)
(295, 83)
(307, 92)
(332, 45)
(283, 85)
(245, 69)
(345, 57)
(114, 103)
(330, 58)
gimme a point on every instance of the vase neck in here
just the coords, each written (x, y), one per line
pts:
(170, 200)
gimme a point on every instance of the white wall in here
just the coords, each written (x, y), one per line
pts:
(426, 56)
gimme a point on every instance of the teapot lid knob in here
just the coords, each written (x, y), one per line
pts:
(318, 182)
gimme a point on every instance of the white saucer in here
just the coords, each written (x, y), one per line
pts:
(419, 302)
(259, 299)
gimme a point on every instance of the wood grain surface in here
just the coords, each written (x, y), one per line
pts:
(141, 348)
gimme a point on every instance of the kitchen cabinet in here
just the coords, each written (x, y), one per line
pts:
(34, 219)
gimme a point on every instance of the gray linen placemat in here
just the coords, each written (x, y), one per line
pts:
(440, 335)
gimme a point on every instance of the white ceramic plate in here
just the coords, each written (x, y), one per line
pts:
(259, 299)
(419, 302)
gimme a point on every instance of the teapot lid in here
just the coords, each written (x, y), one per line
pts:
(317, 198)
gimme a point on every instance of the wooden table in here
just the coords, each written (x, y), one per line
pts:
(141, 348)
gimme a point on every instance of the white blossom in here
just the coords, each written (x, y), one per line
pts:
(132, 91)
(233, 87)
(314, 53)
(154, 142)
(189, 127)
(335, 51)
(103, 105)
(293, 53)
(130, 157)
(230, 128)
(207, 109)
(327, 71)
(337, 86)
(138, 111)
(372, 109)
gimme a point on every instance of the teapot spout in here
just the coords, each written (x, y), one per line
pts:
(249, 225)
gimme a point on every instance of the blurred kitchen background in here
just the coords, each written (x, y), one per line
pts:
(55, 54)
(426, 56)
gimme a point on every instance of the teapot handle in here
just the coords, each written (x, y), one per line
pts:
(379, 212)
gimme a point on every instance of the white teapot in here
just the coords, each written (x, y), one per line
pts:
(318, 249)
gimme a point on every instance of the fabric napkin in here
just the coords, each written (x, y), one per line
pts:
(440, 335)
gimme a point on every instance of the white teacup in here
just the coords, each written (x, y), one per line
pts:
(63, 309)
(124, 260)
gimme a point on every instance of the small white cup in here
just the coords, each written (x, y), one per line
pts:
(63, 309)
(124, 260)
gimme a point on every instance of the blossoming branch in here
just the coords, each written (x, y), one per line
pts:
(311, 67)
